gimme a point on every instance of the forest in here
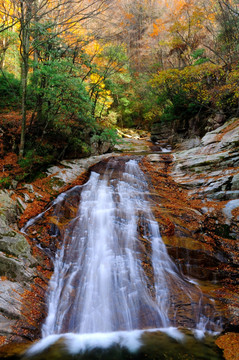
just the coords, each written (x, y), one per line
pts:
(72, 72)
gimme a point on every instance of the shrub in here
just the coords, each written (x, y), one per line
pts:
(9, 90)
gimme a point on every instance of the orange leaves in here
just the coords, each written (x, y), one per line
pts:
(3, 278)
(230, 344)
(3, 340)
(158, 27)
(60, 224)
(32, 301)
(128, 16)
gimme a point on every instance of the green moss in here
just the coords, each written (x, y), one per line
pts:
(55, 182)
(8, 268)
(14, 244)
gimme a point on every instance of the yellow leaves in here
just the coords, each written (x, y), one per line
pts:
(96, 79)
(76, 32)
(204, 84)
(93, 48)
(167, 78)
(196, 82)
(104, 98)
(211, 17)
(233, 82)
(186, 22)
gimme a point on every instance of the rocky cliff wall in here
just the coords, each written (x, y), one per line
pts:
(209, 173)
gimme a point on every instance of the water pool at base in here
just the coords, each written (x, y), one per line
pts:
(169, 344)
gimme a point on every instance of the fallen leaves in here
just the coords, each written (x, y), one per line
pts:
(229, 343)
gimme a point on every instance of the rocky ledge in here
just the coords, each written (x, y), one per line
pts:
(211, 169)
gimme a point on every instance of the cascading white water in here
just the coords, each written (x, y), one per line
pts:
(100, 283)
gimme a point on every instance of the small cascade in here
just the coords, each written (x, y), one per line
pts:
(113, 272)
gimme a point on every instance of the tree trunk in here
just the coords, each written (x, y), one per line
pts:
(24, 105)
(26, 16)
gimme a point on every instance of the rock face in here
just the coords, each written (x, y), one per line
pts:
(161, 132)
(69, 170)
(10, 306)
(211, 170)
(16, 266)
(15, 252)
(202, 245)
(210, 175)
(181, 129)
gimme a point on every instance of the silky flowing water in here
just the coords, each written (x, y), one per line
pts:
(114, 284)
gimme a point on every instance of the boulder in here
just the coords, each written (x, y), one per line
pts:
(29, 188)
(15, 254)
(224, 137)
(8, 207)
(98, 148)
(69, 170)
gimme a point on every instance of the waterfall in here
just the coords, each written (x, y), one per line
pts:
(113, 272)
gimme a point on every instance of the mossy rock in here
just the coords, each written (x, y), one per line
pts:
(13, 243)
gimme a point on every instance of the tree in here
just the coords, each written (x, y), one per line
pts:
(62, 15)
(134, 19)
(228, 38)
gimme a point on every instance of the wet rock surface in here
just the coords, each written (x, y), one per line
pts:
(210, 173)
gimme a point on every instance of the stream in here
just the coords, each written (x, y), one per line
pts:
(115, 292)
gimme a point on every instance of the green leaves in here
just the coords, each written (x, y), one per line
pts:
(199, 57)
(9, 90)
(62, 92)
